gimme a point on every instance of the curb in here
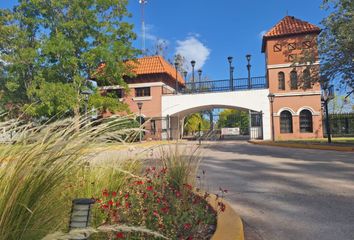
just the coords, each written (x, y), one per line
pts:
(306, 146)
(229, 225)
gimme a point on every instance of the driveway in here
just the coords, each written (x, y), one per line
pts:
(284, 193)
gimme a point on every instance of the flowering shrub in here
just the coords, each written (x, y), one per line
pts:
(156, 203)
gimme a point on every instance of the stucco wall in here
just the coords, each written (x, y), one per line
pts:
(256, 100)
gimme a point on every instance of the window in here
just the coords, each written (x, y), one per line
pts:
(292, 57)
(306, 44)
(142, 92)
(306, 121)
(277, 48)
(281, 81)
(307, 78)
(293, 80)
(286, 122)
(291, 46)
(115, 93)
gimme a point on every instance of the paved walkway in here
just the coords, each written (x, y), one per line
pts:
(283, 193)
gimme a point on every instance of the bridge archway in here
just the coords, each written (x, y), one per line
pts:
(179, 106)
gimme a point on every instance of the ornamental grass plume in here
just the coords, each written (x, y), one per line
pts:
(43, 167)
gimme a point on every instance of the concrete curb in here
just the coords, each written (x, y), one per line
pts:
(229, 224)
(305, 146)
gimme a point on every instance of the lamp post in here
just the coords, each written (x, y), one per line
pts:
(271, 97)
(80, 214)
(140, 105)
(86, 93)
(200, 78)
(229, 59)
(326, 97)
(176, 67)
(193, 64)
(248, 57)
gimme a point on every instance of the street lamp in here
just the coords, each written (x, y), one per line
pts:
(271, 97)
(200, 78)
(80, 214)
(229, 59)
(326, 97)
(248, 57)
(193, 64)
(140, 105)
(176, 67)
(86, 93)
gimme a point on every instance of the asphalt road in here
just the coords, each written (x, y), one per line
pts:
(284, 193)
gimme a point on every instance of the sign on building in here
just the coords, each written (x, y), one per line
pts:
(230, 131)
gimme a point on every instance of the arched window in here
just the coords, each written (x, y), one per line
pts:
(306, 121)
(293, 80)
(281, 81)
(307, 78)
(286, 122)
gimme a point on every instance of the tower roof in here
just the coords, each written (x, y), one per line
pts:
(154, 65)
(288, 26)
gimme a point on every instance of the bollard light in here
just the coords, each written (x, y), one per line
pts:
(80, 214)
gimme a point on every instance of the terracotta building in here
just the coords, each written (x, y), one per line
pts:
(292, 65)
(154, 78)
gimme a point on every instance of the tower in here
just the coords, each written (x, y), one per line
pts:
(292, 65)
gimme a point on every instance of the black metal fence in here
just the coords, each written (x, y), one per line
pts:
(225, 85)
(342, 125)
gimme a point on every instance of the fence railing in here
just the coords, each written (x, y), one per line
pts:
(342, 124)
(225, 85)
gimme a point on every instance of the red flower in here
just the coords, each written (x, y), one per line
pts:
(178, 194)
(138, 182)
(114, 194)
(105, 206)
(127, 205)
(120, 235)
(158, 200)
(110, 202)
(155, 213)
(164, 209)
(117, 204)
(149, 188)
(126, 196)
(105, 193)
(187, 226)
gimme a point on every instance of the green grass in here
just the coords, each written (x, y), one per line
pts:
(46, 168)
(339, 140)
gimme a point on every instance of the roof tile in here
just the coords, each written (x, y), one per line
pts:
(154, 65)
(290, 25)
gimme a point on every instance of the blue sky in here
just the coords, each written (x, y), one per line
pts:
(210, 31)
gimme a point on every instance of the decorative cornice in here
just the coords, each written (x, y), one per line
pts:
(288, 65)
(290, 94)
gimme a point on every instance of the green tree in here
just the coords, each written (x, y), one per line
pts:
(191, 123)
(337, 42)
(55, 46)
(234, 118)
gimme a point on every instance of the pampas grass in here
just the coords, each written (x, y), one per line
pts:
(43, 167)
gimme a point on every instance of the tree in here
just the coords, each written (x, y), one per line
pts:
(234, 118)
(337, 42)
(56, 46)
(191, 123)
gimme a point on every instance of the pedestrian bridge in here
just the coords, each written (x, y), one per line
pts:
(240, 94)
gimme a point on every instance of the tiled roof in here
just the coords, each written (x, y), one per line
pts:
(290, 25)
(154, 65)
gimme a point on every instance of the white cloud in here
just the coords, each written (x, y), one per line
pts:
(150, 36)
(261, 34)
(193, 49)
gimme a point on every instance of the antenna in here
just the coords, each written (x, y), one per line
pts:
(142, 4)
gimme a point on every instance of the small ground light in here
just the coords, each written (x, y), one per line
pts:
(80, 215)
